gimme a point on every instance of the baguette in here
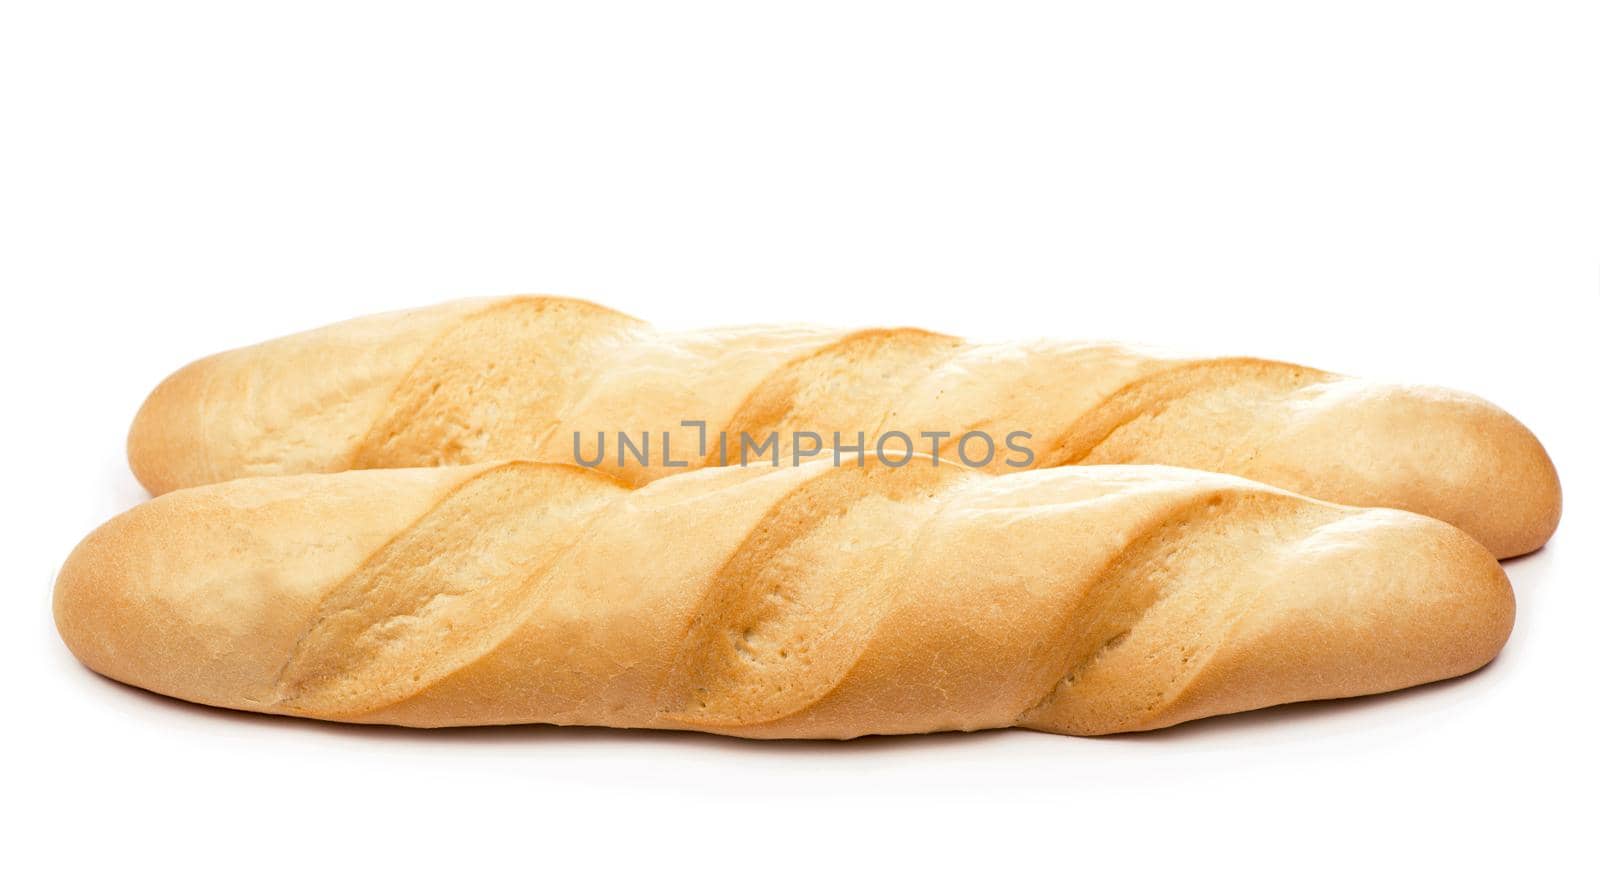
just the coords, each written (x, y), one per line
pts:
(524, 377)
(819, 601)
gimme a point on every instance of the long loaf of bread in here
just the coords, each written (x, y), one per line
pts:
(818, 601)
(522, 377)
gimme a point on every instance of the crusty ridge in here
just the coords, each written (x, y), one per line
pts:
(816, 601)
(520, 377)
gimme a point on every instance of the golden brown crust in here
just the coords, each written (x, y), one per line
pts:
(841, 385)
(297, 404)
(520, 377)
(816, 601)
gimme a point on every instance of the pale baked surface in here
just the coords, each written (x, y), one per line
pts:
(817, 601)
(515, 378)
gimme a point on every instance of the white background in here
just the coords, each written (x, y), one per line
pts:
(1390, 189)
